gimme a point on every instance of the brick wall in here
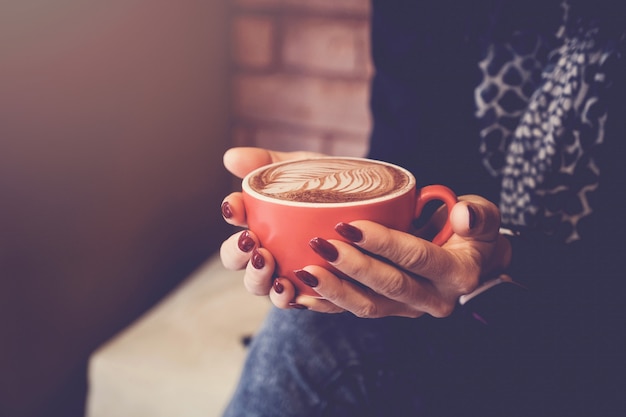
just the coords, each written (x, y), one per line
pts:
(301, 71)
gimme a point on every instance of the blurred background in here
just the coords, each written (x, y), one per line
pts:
(114, 116)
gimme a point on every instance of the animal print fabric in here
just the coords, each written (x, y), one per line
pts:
(542, 115)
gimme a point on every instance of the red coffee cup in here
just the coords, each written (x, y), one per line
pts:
(285, 217)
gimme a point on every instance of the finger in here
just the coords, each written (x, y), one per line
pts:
(388, 279)
(319, 305)
(476, 218)
(418, 273)
(258, 277)
(282, 293)
(234, 210)
(236, 251)
(407, 252)
(340, 294)
(240, 161)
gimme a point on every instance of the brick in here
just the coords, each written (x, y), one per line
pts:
(342, 6)
(253, 41)
(259, 3)
(289, 139)
(302, 100)
(346, 145)
(351, 6)
(327, 45)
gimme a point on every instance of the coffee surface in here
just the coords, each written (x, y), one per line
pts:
(329, 180)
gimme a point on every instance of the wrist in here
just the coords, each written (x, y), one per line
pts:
(499, 260)
(498, 303)
(505, 235)
(503, 256)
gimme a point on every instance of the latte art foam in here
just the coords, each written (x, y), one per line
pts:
(329, 180)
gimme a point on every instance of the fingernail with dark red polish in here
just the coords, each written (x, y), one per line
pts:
(472, 217)
(227, 211)
(324, 249)
(306, 277)
(297, 306)
(349, 232)
(257, 260)
(278, 287)
(245, 243)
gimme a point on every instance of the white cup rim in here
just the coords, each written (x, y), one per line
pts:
(258, 196)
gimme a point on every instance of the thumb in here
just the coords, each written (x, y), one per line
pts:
(475, 217)
(242, 160)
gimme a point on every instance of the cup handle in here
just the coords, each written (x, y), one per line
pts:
(437, 192)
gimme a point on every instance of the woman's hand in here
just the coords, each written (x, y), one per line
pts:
(395, 273)
(242, 250)
(398, 274)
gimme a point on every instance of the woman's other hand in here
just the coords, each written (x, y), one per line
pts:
(242, 250)
(399, 274)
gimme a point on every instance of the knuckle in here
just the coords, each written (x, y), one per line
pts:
(358, 270)
(415, 314)
(254, 289)
(414, 259)
(466, 282)
(367, 311)
(393, 287)
(257, 284)
(331, 293)
(466, 289)
(230, 259)
(443, 310)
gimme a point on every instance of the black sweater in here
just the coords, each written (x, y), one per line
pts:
(426, 56)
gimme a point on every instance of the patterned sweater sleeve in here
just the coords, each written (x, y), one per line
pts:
(557, 278)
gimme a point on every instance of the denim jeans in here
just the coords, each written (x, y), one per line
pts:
(303, 363)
